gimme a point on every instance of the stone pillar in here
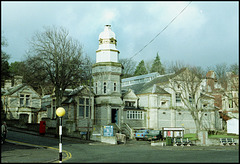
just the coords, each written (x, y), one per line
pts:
(203, 137)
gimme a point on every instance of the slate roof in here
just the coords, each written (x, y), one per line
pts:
(12, 90)
(141, 76)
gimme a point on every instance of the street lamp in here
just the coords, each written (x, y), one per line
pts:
(60, 113)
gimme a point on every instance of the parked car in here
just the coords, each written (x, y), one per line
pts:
(153, 135)
(140, 134)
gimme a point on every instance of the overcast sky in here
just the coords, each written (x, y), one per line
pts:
(205, 34)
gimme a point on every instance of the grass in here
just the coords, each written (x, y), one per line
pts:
(192, 136)
(223, 136)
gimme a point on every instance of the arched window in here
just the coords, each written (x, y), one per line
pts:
(114, 87)
(104, 87)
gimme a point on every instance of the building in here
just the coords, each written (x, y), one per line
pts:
(20, 100)
(79, 107)
(165, 103)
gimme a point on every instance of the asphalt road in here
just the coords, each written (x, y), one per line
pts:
(78, 151)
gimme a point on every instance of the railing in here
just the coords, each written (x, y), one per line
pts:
(117, 126)
(130, 130)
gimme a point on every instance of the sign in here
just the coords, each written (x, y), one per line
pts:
(108, 131)
(173, 132)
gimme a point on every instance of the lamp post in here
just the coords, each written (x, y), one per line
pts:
(60, 113)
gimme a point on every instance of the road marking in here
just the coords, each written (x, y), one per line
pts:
(68, 154)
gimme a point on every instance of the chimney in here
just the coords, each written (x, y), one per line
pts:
(7, 84)
(17, 80)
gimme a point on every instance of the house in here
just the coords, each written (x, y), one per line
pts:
(233, 126)
(164, 105)
(79, 107)
(20, 100)
(225, 96)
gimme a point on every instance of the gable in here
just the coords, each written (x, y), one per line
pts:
(22, 89)
(130, 95)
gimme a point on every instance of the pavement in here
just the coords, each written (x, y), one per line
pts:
(17, 152)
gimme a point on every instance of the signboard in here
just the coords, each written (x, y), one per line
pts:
(108, 131)
(173, 132)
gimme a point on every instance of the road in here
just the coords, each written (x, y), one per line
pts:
(133, 152)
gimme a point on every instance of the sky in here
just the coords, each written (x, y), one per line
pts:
(205, 34)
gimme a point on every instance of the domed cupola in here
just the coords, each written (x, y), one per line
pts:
(107, 51)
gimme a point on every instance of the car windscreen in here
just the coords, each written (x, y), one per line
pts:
(141, 131)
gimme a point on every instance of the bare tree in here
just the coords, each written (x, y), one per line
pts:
(129, 67)
(186, 85)
(175, 66)
(57, 57)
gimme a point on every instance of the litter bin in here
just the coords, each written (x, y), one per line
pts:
(169, 141)
(42, 128)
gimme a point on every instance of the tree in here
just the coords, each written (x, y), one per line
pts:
(5, 73)
(56, 57)
(175, 66)
(129, 67)
(234, 68)
(17, 68)
(186, 84)
(157, 66)
(141, 69)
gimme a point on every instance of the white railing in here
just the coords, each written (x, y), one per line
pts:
(130, 130)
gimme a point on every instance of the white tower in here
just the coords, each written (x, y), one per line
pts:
(107, 51)
(106, 80)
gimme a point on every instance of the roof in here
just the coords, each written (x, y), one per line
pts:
(14, 89)
(154, 74)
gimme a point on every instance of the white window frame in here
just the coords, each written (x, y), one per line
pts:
(134, 115)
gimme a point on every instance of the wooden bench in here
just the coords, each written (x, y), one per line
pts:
(182, 142)
(227, 141)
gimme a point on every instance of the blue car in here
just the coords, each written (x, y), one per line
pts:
(140, 134)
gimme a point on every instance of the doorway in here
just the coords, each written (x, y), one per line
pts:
(115, 116)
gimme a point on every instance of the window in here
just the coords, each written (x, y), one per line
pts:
(87, 107)
(230, 100)
(163, 103)
(178, 97)
(190, 98)
(104, 87)
(134, 115)
(24, 100)
(96, 88)
(114, 87)
(129, 103)
(27, 100)
(81, 107)
(21, 100)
